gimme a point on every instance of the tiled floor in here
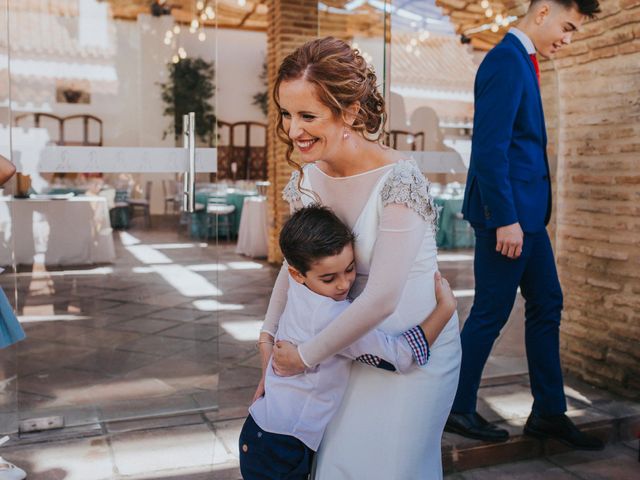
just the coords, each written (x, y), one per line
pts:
(169, 329)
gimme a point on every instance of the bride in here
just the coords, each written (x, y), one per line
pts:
(330, 111)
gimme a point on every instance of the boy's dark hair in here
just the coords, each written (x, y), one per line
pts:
(312, 233)
(588, 8)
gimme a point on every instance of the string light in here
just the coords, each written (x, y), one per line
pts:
(488, 13)
(175, 59)
(202, 36)
(200, 5)
(242, 3)
(498, 18)
(176, 29)
(484, 4)
(209, 12)
(182, 53)
(495, 28)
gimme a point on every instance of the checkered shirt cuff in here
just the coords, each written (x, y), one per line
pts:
(419, 344)
(369, 359)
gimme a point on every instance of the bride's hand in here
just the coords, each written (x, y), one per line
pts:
(286, 359)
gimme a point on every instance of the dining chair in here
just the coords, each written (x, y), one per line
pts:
(142, 205)
(219, 214)
(170, 190)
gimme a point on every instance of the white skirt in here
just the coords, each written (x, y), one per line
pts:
(389, 426)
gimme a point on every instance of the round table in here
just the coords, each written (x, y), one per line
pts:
(453, 230)
(232, 196)
(253, 233)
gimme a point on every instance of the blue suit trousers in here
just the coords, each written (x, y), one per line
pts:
(497, 280)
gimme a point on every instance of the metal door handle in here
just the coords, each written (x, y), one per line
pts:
(189, 178)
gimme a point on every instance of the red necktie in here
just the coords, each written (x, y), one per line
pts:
(534, 59)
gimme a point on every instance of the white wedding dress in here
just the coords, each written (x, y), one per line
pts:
(390, 426)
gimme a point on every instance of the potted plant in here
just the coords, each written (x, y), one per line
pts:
(190, 88)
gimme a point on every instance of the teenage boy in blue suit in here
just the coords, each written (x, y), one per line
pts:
(508, 203)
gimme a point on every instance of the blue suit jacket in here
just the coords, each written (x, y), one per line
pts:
(508, 179)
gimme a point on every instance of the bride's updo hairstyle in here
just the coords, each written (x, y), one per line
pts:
(341, 77)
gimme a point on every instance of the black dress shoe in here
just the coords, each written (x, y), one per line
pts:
(472, 425)
(561, 428)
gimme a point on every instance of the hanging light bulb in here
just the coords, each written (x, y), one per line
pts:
(495, 28)
(242, 3)
(200, 5)
(209, 12)
(182, 53)
(423, 35)
(505, 22)
(176, 29)
(413, 42)
(168, 34)
(203, 16)
(499, 18)
(202, 36)
(488, 13)
(409, 48)
(195, 23)
(167, 41)
(175, 59)
(484, 4)
(262, 9)
(417, 52)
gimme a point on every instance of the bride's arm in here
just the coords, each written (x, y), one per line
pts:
(401, 233)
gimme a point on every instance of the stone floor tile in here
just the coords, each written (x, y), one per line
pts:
(84, 459)
(145, 325)
(614, 462)
(193, 331)
(527, 470)
(156, 345)
(114, 362)
(179, 314)
(185, 449)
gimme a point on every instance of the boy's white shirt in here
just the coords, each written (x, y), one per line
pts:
(302, 405)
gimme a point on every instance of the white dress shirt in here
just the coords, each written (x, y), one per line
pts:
(524, 39)
(302, 405)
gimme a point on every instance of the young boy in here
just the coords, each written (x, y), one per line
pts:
(285, 426)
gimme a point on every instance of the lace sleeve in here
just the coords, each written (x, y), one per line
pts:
(407, 185)
(291, 193)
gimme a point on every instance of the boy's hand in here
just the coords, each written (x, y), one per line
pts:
(444, 295)
(259, 390)
(286, 359)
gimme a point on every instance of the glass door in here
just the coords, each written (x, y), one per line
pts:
(111, 258)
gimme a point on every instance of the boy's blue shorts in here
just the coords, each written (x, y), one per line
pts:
(271, 456)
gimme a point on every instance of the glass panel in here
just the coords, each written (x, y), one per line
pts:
(431, 93)
(362, 24)
(117, 286)
(8, 355)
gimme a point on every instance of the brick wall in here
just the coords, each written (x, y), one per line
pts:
(592, 106)
(291, 23)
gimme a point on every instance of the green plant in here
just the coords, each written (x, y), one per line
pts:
(261, 98)
(190, 88)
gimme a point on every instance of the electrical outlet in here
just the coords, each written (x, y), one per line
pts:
(41, 423)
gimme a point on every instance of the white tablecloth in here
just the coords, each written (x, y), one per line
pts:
(73, 231)
(253, 231)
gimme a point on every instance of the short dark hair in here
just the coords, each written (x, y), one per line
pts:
(312, 233)
(588, 8)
